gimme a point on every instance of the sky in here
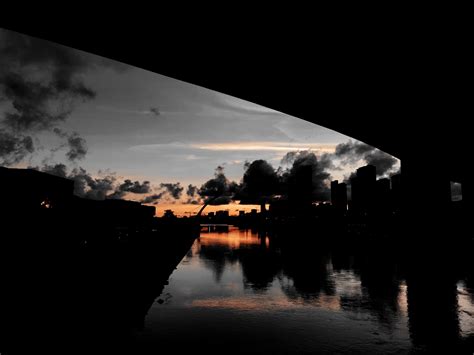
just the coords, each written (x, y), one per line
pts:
(122, 122)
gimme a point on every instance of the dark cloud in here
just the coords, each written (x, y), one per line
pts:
(76, 144)
(352, 148)
(14, 147)
(135, 187)
(154, 199)
(77, 147)
(99, 188)
(191, 190)
(106, 186)
(26, 51)
(94, 188)
(84, 184)
(192, 194)
(58, 170)
(175, 190)
(383, 162)
(129, 186)
(352, 152)
(31, 102)
(166, 191)
(41, 81)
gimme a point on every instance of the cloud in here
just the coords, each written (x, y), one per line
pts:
(191, 190)
(352, 152)
(175, 190)
(135, 187)
(57, 170)
(14, 147)
(105, 186)
(382, 161)
(264, 146)
(237, 146)
(41, 82)
(351, 148)
(76, 144)
(77, 147)
(235, 105)
(165, 191)
(93, 188)
(154, 198)
(129, 186)
(192, 194)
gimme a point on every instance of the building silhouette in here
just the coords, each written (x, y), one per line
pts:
(363, 189)
(300, 190)
(45, 199)
(30, 190)
(396, 192)
(339, 195)
(382, 196)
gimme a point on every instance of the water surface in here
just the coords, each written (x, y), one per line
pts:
(237, 291)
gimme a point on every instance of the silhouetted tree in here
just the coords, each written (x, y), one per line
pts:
(260, 183)
(217, 191)
(169, 214)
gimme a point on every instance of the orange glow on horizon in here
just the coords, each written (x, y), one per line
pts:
(183, 209)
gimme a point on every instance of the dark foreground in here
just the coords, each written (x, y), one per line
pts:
(238, 291)
(82, 296)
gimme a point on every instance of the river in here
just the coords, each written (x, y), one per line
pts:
(236, 291)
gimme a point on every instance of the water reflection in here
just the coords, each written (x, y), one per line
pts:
(274, 295)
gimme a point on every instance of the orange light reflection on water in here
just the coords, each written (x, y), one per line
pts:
(234, 239)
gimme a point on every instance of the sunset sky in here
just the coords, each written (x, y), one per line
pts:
(144, 126)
